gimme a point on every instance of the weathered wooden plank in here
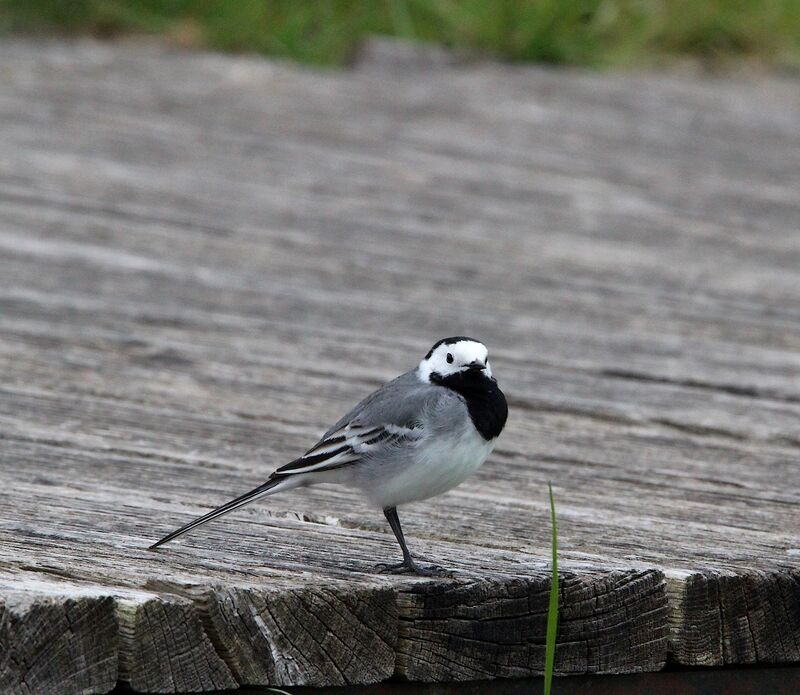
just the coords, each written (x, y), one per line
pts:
(312, 636)
(166, 649)
(206, 259)
(743, 618)
(62, 644)
(489, 629)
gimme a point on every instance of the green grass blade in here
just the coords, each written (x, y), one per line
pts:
(552, 610)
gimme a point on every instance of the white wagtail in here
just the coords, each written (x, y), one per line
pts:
(415, 437)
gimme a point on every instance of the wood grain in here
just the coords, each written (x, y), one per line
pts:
(490, 629)
(63, 644)
(207, 259)
(165, 648)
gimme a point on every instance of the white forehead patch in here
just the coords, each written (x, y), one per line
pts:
(465, 351)
(461, 353)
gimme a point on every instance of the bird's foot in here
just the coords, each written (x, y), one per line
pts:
(412, 567)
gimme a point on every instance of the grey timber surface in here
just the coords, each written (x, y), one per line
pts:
(205, 260)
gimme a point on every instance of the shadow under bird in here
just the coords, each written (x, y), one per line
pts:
(417, 436)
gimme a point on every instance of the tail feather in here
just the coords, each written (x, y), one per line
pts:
(270, 487)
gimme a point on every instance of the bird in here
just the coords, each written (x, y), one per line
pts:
(416, 437)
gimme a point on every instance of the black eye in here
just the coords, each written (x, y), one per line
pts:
(449, 358)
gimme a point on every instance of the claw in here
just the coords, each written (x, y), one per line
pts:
(413, 568)
(397, 568)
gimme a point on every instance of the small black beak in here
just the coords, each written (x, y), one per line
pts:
(476, 366)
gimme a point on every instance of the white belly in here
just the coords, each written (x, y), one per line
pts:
(442, 463)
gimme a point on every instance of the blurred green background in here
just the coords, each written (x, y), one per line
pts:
(579, 32)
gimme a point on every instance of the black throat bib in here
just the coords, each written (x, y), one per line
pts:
(486, 403)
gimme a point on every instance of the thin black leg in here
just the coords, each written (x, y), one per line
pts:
(394, 521)
(408, 564)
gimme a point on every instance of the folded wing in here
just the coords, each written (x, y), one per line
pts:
(348, 445)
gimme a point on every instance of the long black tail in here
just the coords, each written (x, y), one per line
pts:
(246, 498)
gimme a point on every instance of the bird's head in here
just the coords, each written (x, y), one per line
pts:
(451, 356)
